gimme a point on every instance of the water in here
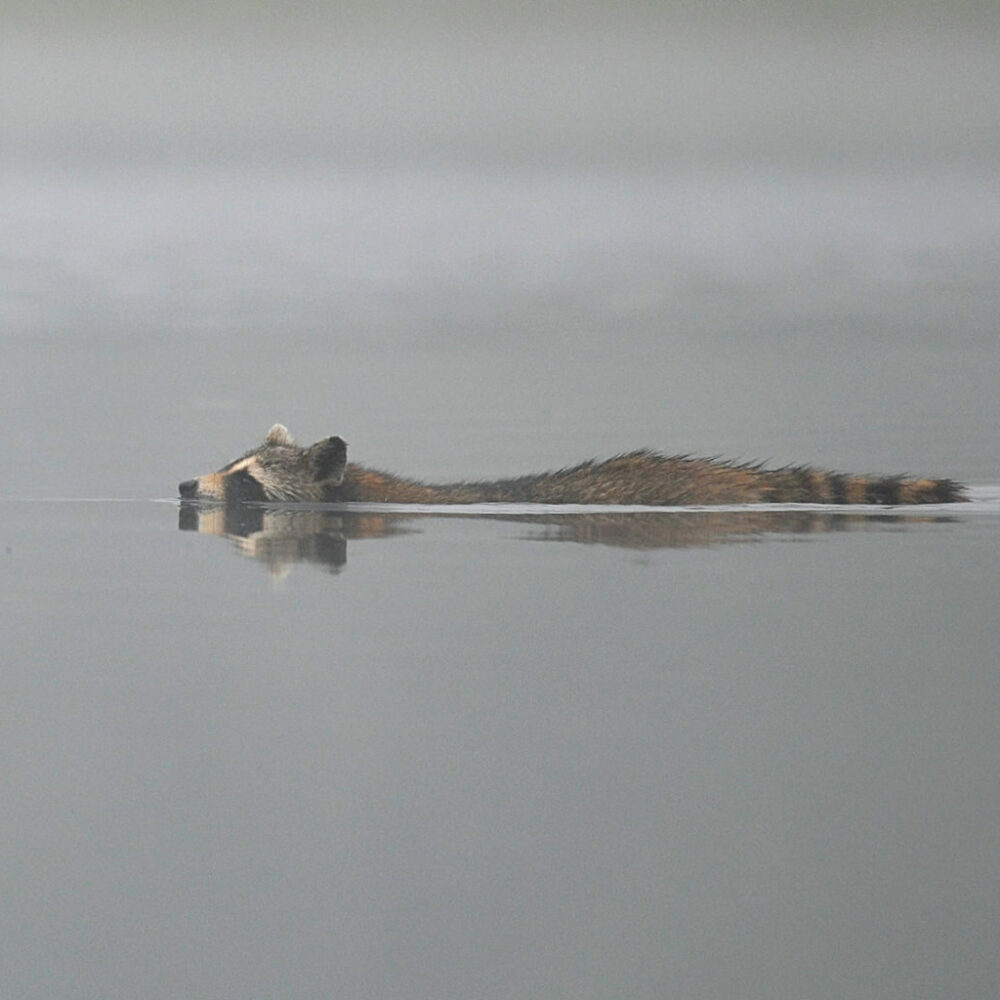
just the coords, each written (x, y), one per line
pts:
(709, 755)
(425, 754)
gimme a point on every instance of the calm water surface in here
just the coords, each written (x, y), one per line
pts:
(365, 754)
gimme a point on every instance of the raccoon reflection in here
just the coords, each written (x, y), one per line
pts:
(276, 538)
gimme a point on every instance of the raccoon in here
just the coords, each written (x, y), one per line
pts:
(279, 470)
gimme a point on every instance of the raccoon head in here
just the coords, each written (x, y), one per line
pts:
(277, 470)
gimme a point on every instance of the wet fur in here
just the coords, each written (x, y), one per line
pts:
(279, 470)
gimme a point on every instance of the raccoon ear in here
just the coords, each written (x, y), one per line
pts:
(278, 434)
(328, 459)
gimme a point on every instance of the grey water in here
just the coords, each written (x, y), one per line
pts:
(301, 753)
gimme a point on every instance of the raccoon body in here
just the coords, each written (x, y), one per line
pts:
(280, 471)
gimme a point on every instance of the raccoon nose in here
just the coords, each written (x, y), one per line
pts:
(188, 488)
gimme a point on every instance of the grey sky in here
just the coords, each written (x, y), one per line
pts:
(642, 82)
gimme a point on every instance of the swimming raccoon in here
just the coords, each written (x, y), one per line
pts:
(279, 470)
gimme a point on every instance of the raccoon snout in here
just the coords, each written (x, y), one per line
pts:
(188, 488)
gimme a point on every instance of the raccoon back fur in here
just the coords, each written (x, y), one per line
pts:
(279, 470)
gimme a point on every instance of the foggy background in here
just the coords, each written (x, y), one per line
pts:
(478, 239)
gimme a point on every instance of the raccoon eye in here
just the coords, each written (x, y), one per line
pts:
(242, 486)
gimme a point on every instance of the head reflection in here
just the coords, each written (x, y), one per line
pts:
(275, 538)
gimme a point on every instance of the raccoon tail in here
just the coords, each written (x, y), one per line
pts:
(806, 485)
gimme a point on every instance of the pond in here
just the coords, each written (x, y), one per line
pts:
(364, 752)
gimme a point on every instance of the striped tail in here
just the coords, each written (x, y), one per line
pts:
(802, 484)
